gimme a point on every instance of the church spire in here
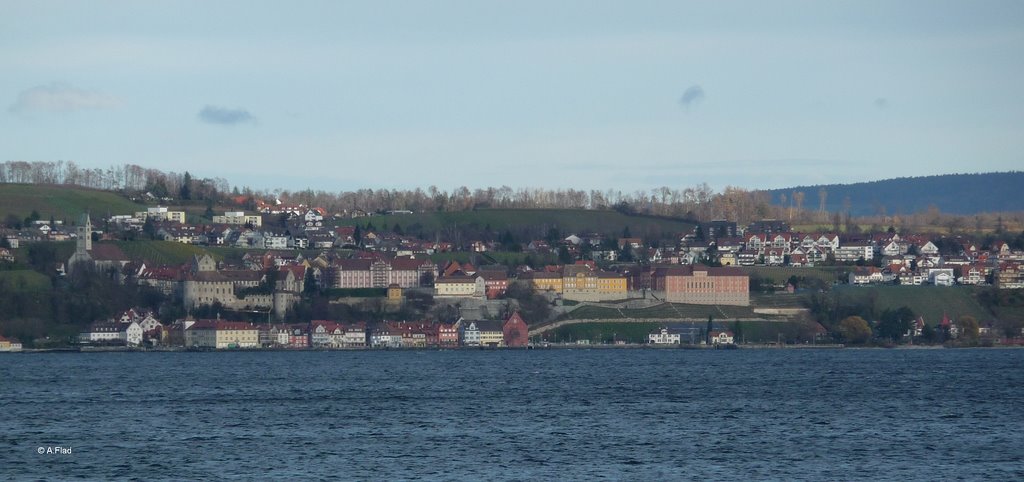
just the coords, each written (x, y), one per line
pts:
(84, 233)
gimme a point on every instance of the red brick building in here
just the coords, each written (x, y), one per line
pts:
(702, 285)
(515, 332)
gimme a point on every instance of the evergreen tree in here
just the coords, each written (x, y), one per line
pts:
(707, 332)
(564, 256)
(186, 187)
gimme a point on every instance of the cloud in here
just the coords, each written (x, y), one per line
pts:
(693, 94)
(225, 116)
(881, 102)
(58, 97)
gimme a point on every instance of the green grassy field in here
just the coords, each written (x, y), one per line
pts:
(159, 252)
(779, 300)
(780, 274)
(500, 257)
(566, 220)
(928, 301)
(64, 203)
(750, 331)
(666, 310)
(602, 332)
(1015, 313)
(23, 280)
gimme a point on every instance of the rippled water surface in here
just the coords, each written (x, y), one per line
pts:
(542, 414)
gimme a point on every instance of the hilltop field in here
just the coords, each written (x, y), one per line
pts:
(64, 203)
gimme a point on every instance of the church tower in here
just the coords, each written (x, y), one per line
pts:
(84, 232)
(83, 244)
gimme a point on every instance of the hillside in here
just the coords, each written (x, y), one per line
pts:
(536, 221)
(64, 203)
(928, 301)
(951, 193)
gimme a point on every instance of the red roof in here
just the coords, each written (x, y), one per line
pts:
(107, 252)
(298, 270)
(221, 325)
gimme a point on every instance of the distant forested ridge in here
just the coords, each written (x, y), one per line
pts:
(950, 193)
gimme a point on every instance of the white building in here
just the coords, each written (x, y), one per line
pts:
(238, 218)
(471, 335)
(853, 252)
(161, 213)
(384, 339)
(128, 333)
(355, 336)
(721, 338)
(664, 338)
(941, 276)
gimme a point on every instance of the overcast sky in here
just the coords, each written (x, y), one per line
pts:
(586, 94)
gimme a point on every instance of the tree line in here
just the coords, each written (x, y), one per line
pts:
(699, 202)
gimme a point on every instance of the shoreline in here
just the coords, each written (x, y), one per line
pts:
(552, 346)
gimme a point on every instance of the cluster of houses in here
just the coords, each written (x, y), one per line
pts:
(886, 257)
(390, 261)
(138, 328)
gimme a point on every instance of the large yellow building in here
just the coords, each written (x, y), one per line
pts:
(222, 334)
(460, 286)
(544, 281)
(580, 282)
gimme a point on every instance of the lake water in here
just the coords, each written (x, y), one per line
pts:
(525, 415)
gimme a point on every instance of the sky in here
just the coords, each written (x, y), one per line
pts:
(338, 95)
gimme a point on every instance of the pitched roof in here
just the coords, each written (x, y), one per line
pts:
(107, 252)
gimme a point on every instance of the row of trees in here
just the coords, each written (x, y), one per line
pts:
(128, 178)
(896, 328)
(697, 202)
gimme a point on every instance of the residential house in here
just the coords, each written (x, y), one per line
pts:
(112, 332)
(448, 334)
(495, 283)
(728, 259)
(1009, 275)
(828, 242)
(718, 337)
(239, 218)
(941, 276)
(326, 334)
(972, 275)
(866, 275)
(382, 337)
(855, 251)
(355, 335)
(929, 248)
(161, 214)
(492, 333)
(470, 334)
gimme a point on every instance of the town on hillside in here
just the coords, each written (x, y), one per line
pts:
(260, 298)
